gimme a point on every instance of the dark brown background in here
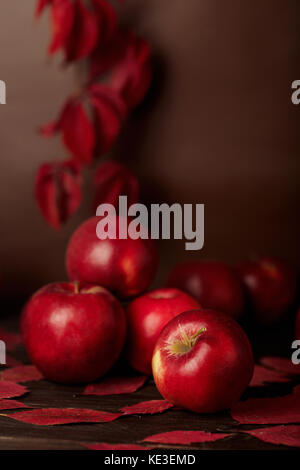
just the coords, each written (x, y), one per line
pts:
(218, 128)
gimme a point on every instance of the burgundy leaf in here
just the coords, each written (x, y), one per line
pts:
(132, 75)
(116, 386)
(147, 407)
(280, 410)
(84, 35)
(107, 20)
(11, 389)
(261, 376)
(58, 191)
(112, 180)
(22, 374)
(109, 112)
(11, 405)
(63, 17)
(54, 416)
(184, 437)
(11, 340)
(104, 59)
(281, 364)
(279, 435)
(41, 5)
(78, 132)
(104, 446)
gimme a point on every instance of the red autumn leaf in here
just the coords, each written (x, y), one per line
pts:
(11, 405)
(84, 34)
(112, 180)
(107, 20)
(261, 376)
(41, 5)
(22, 374)
(103, 59)
(104, 446)
(54, 416)
(11, 340)
(132, 75)
(147, 407)
(109, 113)
(78, 132)
(11, 389)
(280, 410)
(184, 437)
(115, 386)
(279, 435)
(281, 364)
(63, 17)
(58, 191)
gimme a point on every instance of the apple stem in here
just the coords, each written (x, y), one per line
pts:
(76, 287)
(185, 344)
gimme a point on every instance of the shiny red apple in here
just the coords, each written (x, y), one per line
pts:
(202, 361)
(124, 266)
(271, 286)
(146, 317)
(73, 333)
(215, 285)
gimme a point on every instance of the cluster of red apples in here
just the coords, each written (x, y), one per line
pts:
(186, 333)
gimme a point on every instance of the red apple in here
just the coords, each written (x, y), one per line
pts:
(73, 333)
(271, 286)
(298, 325)
(215, 285)
(146, 317)
(125, 266)
(202, 361)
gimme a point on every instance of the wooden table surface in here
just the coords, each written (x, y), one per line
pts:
(131, 429)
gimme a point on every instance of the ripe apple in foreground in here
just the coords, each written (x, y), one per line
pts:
(271, 286)
(202, 361)
(73, 333)
(124, 266)
(215, 285)
(146, 317)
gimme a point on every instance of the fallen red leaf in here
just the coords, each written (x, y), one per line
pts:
(147, 407)
(279, 435)
(261, 376)
(11, 389)
(112, 180)
(281, 364)
(11, 340)
(104, 446)
(58, 191)
(184, 437)
(54, 416)
(22, 374)
(11, 405)
(116, 386)
(279, 410)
